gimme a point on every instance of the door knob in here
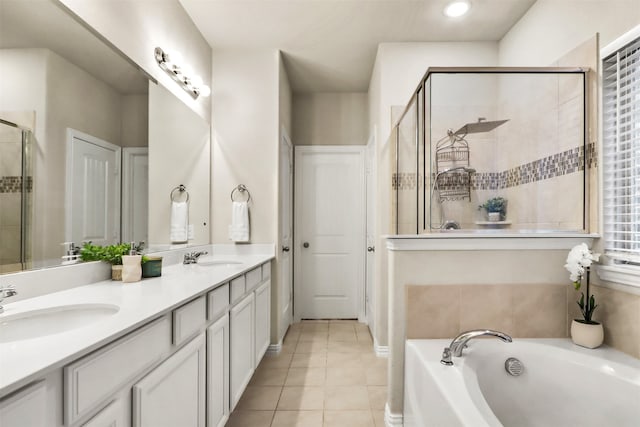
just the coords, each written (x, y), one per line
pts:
(305, 245)
(285, 249)
(371, 249)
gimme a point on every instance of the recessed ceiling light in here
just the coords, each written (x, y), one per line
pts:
(457, 8)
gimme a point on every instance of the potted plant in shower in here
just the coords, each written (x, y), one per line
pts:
(496, 208)
(585, 332)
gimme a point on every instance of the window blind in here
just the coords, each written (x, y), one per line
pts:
(621, 150)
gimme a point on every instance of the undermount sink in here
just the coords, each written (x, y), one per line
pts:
(218, 262)
(52, 320)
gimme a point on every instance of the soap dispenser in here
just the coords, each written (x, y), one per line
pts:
(131, 266)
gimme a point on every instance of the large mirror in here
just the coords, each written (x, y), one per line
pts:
(74, 141)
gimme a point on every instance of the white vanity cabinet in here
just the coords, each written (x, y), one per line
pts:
(187, 367)
(218, 372)
(36, 405)
(173, 394)
(241, 319)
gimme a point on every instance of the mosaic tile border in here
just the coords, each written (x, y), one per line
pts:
(559, 164)
(13, 184)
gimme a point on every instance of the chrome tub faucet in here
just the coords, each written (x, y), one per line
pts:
(192, 257)
(460, 342)
(6, 292)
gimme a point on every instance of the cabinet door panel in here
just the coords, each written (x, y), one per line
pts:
(263, 320)
(242, 343)
(173, 394)
(111, 416)
(218, 373)
(26, 408)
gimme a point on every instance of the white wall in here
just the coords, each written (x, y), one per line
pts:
(551, 28)
(137, 27)
(396, 74)
(330, 119)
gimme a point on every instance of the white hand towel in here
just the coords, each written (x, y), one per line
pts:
(179, 222)
(239, 228)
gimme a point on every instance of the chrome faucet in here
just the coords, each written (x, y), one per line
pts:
(6, 292)
(192, 257)
(460, 342)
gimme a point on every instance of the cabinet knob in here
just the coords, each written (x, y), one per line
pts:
(305, 245)
(371, 249)
(285, 249)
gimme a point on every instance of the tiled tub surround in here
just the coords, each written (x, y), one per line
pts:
(440, 285)
(138, 303)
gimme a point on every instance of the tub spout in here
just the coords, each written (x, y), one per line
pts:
(460, 342)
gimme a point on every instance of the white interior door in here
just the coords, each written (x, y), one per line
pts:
(286, 233)
(135, 194)
(329, 232)
(92, 190)
(371, 237)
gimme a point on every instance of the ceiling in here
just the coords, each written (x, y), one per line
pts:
(330, 45)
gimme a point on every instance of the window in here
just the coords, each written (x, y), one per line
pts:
(621, 150)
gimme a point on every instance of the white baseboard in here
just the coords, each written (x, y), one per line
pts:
(380, 350)
(392, 420)
(274, 349)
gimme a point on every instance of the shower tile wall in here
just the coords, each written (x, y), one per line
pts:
(545, 133)
(534, 160)
(458, 99)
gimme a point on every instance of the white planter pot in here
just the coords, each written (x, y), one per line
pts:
(586, 335)
(494, 216)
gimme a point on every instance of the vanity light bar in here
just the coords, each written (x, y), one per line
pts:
(180, 73)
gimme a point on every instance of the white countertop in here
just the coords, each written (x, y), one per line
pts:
(26, 360)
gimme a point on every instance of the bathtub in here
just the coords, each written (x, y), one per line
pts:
(561, 385)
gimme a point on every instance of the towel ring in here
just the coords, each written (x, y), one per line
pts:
(241, 189)
(182, 189)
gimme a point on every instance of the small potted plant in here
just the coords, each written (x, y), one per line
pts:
(111, 254)
(585, 332)
(496, 208)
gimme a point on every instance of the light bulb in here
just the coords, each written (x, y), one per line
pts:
(174, 57)
(196, 81)
(187, 71)
(205, 91)
(457, 8)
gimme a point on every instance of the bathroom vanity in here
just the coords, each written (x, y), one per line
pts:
(151, 353)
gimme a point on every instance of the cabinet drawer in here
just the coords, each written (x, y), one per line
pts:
(94, 378)
(237, 289)
(189, 319)
(218, 302)
(254, 278)
(266, 271)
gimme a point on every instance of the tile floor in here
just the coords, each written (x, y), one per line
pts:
(327, 375)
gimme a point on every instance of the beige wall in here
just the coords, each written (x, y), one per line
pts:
(397, 71)
(136, 28)
(245, 139)
(330, 119)
(551, 28)
(179, 153)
